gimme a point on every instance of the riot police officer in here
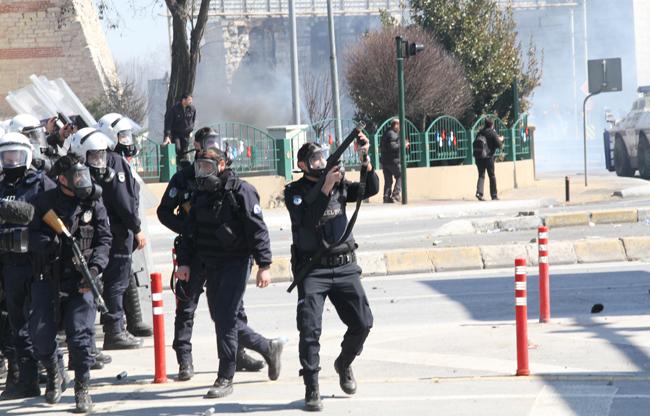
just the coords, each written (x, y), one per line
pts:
(58, 291)
(113, 174)
(31, 128)
(222, 234)
(120, 130)
(172, 214)
(336, 275)
(19, 181)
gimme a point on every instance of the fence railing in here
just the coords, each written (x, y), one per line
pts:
(256, 152)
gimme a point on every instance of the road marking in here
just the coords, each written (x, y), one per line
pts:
(550, 401)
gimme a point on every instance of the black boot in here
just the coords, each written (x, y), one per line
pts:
(11, 383)
(83, 402)
(346, 377)
(54, 381)
(222, 387)
(185, 371)
(133, 312)
(247, 363)
(273, 359)
(121, 341)
(312, 399)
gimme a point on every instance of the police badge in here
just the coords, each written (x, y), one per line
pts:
(88, 215)
(173, 192)
(121, 176)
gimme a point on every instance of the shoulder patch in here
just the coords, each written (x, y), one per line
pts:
(173, 192)
(297, 200)
(257, 209)
(121, 176)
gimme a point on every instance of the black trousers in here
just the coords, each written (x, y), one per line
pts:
(182, 143)
(343, 287)
(116, 280)
(17, 279)
(392, 170)
(486, 165)
(184, 324)
(225, 286)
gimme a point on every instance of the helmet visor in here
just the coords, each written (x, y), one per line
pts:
(13, 158)
(205, 167)
(318, 159)
(96, 158)
(125, 137)
(80, 178)
(36, 137)
(212, 141)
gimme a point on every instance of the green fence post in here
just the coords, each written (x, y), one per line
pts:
(374, 150)
(167, 162)
(425, 157)
(284, 158)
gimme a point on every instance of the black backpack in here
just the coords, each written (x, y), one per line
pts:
(481, 148)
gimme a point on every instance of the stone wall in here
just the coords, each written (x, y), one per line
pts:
(55, 38)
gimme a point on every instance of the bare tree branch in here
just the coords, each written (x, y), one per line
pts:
(317, 99)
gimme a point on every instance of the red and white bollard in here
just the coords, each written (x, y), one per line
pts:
(521, 317)
(158, 328)
(544, 283)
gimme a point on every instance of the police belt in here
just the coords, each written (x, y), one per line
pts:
(337, 260)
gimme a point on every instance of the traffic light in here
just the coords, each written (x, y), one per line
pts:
(413, 49)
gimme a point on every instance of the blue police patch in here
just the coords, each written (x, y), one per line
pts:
(297, 200)
(173, 192)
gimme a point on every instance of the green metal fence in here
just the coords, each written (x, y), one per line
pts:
(415, 152)
(253, 150)
(522, 137)
(447, 140)
(324, 132)
(147, 161)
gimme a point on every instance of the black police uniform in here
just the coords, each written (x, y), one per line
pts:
(17, 276)
(337, 276)
(120, 195)
(55, 273)
(179, 123)
(223, 232)
(171, 214)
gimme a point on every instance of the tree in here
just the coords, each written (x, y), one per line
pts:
(123, 98)
(434, 81)
(317, 95)
(481, 35)
(185, 52)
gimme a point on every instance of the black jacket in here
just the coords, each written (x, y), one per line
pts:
(179, 121)
(325, 218)
(121, 197)
(224, 224)
(492, 140)
(87, 221)
(179, 191)
(390, 147)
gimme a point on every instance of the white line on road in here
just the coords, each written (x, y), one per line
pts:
(551, 402)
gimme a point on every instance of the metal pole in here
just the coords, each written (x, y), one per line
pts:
(515, 108)
(295, 93)
(574, 74)
(335, 75)
(584, 129)
(402, 117)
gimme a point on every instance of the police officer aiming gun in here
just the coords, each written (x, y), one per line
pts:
(222, 235)
(314, 224)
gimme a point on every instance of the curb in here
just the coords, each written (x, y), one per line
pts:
(487, 257)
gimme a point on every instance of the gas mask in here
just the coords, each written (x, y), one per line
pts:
(316, 160)
(125, 145)
(206, 172)
(80, 183)
(97, 164)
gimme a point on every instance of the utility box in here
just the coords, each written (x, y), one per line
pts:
(167, 162)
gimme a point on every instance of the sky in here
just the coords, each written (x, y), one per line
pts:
(141, 35)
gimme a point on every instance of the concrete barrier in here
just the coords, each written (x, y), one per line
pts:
(637, 248)
(503, 255)
(408, 261)
(599, 250)
(614, 216)
(372, 264)
(567, 219)
(456, 258)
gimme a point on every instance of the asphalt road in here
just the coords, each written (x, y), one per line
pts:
(441, 344)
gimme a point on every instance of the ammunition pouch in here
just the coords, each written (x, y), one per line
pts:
(14, 240)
